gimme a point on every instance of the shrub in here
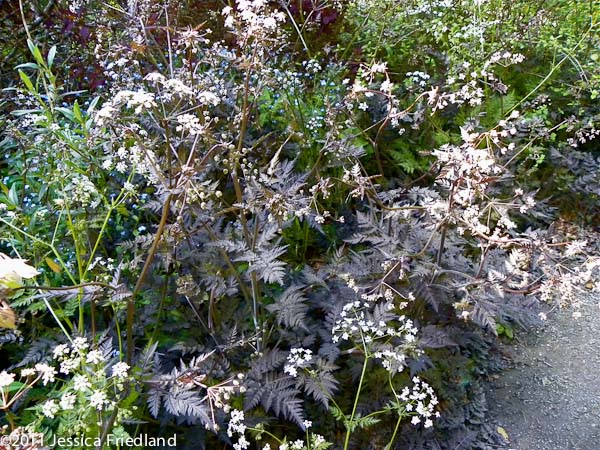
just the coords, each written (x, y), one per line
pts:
(297, 239)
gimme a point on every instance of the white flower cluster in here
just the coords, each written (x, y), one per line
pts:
(392, 360)
(299, 358)
(132, 157)
(172, 88)
(316, 441)
(67, 401)
(50, 408)
(46, 372)
(139, 100)
(357, 323)
(253, 18)
(71, 358)
(74, 356)
(6, 379)
(189, 123)
(354, 178)
(98, 400)
(237, 426)
(120, 370)
(505, 59)
(472, 83)
(219, 396)
(420, 402)
(82, 191)
(584, 135)
(468, 166)
(418, 78)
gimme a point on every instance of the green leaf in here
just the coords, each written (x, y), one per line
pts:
(26, 80)
(93, 104)
(14, 386)
(28, 65)
(53, 266)
(51, 55)
(77, 112)
(35, 51)
(67, 113)
(366, 422)
(13, 196)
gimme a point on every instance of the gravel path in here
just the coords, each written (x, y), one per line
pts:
(549, 398)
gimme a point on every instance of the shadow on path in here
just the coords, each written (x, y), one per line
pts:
(550, 397)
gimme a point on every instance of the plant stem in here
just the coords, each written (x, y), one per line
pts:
(140, 281)
(389, 445)
(360, 383)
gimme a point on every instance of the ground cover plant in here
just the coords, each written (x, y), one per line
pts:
(295, 224)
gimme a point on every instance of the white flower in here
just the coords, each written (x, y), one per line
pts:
(47, 372)
(575, 247)
(50, 408)
(297, 445)
(236, 424)
(298, 358)
(241, 444)
(27, 372)
(67, 401)
(98, 400)
(154, 77)
(94, 357)
(81, 383)
(120, 369)
(379, 68)
(68, 365)
(80, 343)
(307, 424)
(6, 379)
(60, 351)
(189, 123)
(415, 420)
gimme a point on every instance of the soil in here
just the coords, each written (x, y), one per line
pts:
(549, 397)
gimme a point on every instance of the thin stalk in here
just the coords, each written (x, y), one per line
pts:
(356, 398)
(163, 296)
(142, 277)
(400, 417)
(389, 445)
(360, 383)
(240, 198)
